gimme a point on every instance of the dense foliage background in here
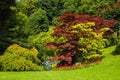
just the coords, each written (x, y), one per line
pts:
(26, 27)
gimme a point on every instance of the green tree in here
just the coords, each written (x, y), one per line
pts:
(52, 7)
(28, 19)
(5, 14)
(27, 6)
(86, 6)
(23, 9)
(40, 40)
(37, 22)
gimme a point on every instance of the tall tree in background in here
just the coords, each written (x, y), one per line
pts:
(29, 20)
(52, 7)
(55, 8)
(86, 6)
(5, 14)
(27, 6)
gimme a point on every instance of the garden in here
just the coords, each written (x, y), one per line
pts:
(59, 40)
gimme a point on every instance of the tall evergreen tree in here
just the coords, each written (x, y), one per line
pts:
(5, 14)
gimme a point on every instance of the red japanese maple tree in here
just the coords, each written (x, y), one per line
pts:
(68, 50)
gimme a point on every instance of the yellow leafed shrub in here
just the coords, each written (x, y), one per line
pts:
(29, 54)
(17, 58)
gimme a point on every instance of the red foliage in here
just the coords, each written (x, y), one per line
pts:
(71, 47)
(50, 45)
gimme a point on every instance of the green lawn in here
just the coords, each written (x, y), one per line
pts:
(108, 69)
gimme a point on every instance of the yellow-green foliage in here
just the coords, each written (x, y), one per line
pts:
(17, 58)
(93, 41)
(93, 57)
(13, 62)
(40, 40)
(29, 54)
(82, 25)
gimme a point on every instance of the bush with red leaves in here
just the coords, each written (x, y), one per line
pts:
(69, 49)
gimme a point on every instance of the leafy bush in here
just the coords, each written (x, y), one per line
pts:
(17, 58)
(112, 40)
(117, 49)
(39, 41)
(92, 42)
(93, 58)
(85, 36)
(31, 54)
(113, 14)
(13, 62)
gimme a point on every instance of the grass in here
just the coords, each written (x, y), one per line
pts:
(108, 69)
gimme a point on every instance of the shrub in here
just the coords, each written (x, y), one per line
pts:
(17, 58)
(93, 58)
(39, 41)
(117, 50)
(85, 36)
(113, 14)
(92, 42)
(14, 62)
(31, 54)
